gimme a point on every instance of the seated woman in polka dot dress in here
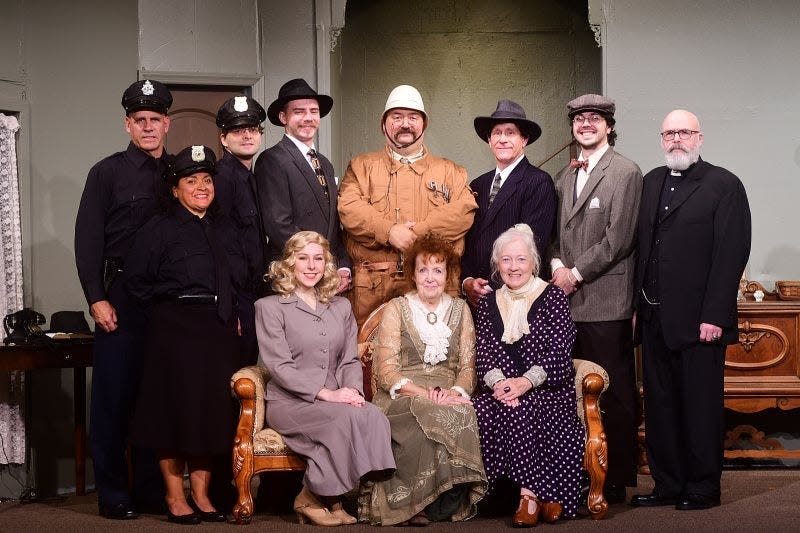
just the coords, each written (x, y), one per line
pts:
(526, 407)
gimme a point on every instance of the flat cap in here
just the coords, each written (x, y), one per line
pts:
(591, 102)
(148, 95)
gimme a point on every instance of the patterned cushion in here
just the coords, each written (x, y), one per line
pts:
(582, 369)
(269, 442)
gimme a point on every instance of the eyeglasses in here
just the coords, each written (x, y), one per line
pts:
(593, 119)
(669, 135)
(251, 130)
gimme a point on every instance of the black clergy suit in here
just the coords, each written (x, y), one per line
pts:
(292, 199)
(527, 196)
(694, 242)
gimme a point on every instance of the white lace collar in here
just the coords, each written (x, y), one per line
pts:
(431, 327)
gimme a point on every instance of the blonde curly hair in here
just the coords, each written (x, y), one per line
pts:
(281, 272)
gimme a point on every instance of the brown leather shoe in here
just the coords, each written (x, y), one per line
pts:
(522, 518)
(308, 508)
(551, 511)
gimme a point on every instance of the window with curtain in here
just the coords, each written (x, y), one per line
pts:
(12, 398)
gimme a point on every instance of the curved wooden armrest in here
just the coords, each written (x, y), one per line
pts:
(595, 461)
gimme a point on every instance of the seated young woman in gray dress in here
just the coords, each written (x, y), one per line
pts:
(424, 369)
(307, 341)
(529, 427)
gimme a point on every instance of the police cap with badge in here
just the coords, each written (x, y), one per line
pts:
(147, 95)
(192, 159)
(240, 112)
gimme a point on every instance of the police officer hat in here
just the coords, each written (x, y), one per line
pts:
(240, 111)
(191, 159)
(297, 89)
(148, 95)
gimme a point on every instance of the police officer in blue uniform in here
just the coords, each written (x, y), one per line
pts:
(239, 122)
(120, 195)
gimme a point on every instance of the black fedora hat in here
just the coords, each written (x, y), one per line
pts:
(297, 89)
(69, 322)
(507, 111)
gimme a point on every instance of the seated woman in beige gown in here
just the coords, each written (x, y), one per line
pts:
(307, 341)
(424, 368)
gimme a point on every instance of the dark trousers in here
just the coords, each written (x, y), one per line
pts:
(115, 382)
(610, 345)
(684, 413)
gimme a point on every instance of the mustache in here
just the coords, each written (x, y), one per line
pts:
(678, 146)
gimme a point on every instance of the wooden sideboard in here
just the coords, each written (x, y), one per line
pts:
(762, 371)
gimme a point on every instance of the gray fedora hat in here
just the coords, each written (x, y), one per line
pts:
(507, 111)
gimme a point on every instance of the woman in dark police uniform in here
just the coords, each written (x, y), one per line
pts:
(185, 267)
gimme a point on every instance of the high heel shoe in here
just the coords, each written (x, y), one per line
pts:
(206, 516)
(523, 518)
(183, 519)
(308, 508)
(551, 512)
(338, 511)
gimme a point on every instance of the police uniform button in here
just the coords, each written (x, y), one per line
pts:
(324, 350)
(323, 333)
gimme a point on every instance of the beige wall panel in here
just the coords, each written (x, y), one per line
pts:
(463, 56)
(208, 36)
(733, 64)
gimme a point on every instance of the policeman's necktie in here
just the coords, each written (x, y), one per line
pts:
(318, 171)
(495, 188)
(224, 286)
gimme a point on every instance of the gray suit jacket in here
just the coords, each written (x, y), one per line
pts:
(297, 344)
(597, 235)
(291, 199)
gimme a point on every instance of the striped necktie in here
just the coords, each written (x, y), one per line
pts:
(318, 170)
(495, 188)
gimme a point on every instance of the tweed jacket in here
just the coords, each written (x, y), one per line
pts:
(291, 199)
(528, 197)
(597, 235)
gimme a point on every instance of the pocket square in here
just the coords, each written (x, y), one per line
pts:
(594, 203)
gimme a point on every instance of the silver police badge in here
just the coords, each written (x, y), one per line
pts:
(240, 103)
(147, 88)
(198, 153)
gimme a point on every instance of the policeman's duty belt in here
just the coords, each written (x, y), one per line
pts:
(196, 299)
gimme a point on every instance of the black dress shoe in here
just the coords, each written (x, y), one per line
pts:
(696, 502)
(184, 519)
(207, 516)
(614, 493)
(653, 499)
(120, 511)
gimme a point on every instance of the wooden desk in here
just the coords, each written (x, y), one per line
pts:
(75, 354)
(762, 371)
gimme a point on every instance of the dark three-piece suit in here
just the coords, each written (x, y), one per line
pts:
(694, 242)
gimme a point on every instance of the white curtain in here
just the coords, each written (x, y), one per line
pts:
(12, 397)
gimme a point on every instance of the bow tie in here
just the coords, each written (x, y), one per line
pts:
(574, 163)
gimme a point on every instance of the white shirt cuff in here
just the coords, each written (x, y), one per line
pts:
(577, 274)
(396, 387)
(461, 391)
(493, 376)
(536, 375)
(555, 264)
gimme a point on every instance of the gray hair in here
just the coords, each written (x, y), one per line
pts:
(523, 233)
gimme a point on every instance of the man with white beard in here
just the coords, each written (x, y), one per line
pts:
(694, 242)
